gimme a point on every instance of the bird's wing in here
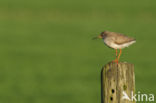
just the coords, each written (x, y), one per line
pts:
(121, 39)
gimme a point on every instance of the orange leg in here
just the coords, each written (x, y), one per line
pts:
(116, 60)
(119, 54)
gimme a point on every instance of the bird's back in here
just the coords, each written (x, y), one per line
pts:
(120, 38)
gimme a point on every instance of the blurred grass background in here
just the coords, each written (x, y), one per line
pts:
(47, 55)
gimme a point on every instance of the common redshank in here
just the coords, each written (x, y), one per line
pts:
(116, 41)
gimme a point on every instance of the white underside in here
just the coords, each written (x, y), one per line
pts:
(120, 46)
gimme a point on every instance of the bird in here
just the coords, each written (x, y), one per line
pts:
(116, 41)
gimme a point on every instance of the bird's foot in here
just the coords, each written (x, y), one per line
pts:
(115, 61)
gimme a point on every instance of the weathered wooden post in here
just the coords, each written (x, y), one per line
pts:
(116, 79)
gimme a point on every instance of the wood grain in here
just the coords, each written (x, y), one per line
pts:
(116, 78)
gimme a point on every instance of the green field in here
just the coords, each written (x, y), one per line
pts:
(48, 56)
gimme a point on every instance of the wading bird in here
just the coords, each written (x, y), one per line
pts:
(116, 41)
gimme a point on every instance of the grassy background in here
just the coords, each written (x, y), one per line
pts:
(47, 55)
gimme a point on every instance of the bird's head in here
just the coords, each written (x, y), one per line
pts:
(102, 35)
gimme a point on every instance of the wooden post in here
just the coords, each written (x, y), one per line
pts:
(116, 78)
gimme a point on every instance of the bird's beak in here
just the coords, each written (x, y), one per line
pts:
(98, 37)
